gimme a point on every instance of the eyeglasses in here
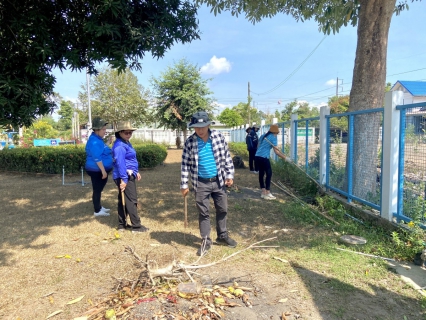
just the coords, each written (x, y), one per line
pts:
(127, 133)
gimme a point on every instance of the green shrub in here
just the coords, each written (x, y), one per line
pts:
(239, 149)
(70, 157)
(150, 155)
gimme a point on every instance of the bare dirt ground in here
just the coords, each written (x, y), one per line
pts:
(53, 251)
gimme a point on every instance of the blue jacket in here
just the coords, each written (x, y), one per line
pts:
(264, 149)
(124, 159)
(97, 150)
(252, 140)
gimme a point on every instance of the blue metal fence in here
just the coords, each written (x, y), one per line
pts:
(395, 186)
(412, 163)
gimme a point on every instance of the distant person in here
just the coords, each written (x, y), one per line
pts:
(98, 164)
(262, 160)
(207, 159)
(251, 140)
(125, 175)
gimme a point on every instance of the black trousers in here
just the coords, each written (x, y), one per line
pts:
(131, 206)
(264, 168)
(202, 200)
(252, 163)
(98, 185)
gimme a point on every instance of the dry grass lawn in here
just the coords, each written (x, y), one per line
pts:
(53, 249)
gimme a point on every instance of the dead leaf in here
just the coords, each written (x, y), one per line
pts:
(54, 314)
(293, 290)
(283, 300)
(75, 300)
(283, 317)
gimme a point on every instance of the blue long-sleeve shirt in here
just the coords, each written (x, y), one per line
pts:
(124, 159)
(97, 150)
(264, 149)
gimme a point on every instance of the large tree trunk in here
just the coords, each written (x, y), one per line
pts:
(368, 88)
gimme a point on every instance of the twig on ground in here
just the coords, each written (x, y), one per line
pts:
(367, 255)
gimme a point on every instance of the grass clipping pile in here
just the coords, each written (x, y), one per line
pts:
(175, 291)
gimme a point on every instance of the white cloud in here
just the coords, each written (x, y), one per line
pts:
(216, 66)
(331, 82)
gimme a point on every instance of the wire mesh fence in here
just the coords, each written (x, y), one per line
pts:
(413, 162)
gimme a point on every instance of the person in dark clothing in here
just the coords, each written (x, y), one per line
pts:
(125, 175)
(252, 140)
(98, 164)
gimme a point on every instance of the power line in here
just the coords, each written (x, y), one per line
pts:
(294, 71)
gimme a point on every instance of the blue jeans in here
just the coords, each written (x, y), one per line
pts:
(202, 199)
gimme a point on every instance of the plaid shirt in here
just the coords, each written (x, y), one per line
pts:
(222, 157)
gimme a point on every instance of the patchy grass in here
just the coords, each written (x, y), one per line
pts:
(42, 220)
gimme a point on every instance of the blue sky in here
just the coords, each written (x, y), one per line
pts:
(282, 59)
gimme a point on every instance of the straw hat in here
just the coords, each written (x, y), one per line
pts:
(124, 125)
(274, 129)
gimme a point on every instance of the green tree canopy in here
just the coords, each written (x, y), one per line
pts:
(117, 96)
(65, 112)
(180, 91)
(38, 36)
(230, 118)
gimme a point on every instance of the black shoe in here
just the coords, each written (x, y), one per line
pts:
(140, 230)
(227, 241)
(123, 228)
(204, 248)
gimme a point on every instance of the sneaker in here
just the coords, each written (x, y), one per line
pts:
(227, 241)
(101, 213)
(142, 229)
(256, 172)
(204, 248)
(269, 196)
(105, 209)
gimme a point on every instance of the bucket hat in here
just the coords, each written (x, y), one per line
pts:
(200, 119)
(98, 123)
(124, 125)
(274, 129)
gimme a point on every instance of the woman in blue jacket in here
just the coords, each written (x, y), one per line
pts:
(125, 174)
(98, 164)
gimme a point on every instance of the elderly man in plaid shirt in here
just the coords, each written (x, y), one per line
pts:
(206, 157)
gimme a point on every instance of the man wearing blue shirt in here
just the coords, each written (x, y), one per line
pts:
(207, 159)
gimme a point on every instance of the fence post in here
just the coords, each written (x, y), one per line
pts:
(390, 136)
(293, 137)
(324, 111)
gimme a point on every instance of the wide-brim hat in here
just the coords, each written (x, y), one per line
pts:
(98, 123)
(274, 128)
(124, 125)
(200, 119)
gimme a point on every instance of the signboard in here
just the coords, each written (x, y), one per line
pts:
(46, 142)
(301, 132)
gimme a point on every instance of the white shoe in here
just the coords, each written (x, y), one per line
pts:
(105, 209)
(269, 196)
(101, 213)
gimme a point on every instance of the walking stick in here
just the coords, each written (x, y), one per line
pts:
(185, 223)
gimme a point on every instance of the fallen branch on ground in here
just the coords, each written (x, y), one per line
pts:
(367, 255)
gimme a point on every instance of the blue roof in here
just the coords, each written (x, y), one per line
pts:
(416, 88)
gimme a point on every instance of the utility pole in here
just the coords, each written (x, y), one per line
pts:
(248, 104)
(337, 86)
(89, 123)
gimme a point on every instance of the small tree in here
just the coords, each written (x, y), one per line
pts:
(179, 92)
(230, 118)
(65, 112)
(117, 97)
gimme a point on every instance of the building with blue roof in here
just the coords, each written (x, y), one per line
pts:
(414, 92)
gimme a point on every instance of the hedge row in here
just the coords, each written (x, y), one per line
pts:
(70, 157)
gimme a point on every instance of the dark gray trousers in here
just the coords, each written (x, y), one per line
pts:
(220, 199)
(131, 208)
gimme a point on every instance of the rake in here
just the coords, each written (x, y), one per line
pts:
(283, 156)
